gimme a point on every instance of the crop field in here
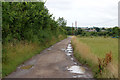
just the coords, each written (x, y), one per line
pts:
(90, 49)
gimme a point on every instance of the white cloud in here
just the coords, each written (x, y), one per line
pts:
(85, 12)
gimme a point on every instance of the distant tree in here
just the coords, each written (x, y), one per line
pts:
(103, 28)
(69, 30)
(115, 31)
(109, 29)
(79, 31)
(62, 22)
(97, 29)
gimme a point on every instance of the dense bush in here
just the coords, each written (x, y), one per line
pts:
(29, 21)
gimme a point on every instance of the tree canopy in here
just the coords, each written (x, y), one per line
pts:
(29, 21)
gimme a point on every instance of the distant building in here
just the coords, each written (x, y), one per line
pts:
(92, 30)
(103, 30)
(89, 29)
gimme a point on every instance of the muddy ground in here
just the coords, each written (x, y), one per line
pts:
(51, 63)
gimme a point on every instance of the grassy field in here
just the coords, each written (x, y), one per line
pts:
(14, 55)
(88, 49)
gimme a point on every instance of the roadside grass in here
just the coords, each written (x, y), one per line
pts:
(14, 55)
(87, 50)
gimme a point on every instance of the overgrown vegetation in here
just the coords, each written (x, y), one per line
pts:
(27, 29)
(99, 53)
(104, 62)
(29, 21)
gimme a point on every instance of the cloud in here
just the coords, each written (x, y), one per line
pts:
(86, 12)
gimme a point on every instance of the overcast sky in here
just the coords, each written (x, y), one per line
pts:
(87, 13)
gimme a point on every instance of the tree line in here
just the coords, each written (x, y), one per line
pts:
(94, 31)
(29, 21)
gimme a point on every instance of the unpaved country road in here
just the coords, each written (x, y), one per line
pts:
(50, 63)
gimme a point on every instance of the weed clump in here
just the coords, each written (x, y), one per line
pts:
(102, 63)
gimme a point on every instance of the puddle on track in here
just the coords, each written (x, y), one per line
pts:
(78, 71)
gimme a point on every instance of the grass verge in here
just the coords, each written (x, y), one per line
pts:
(87, 50)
